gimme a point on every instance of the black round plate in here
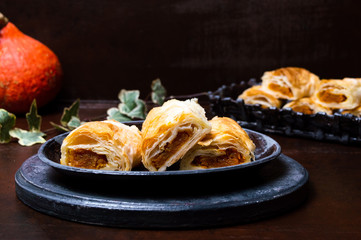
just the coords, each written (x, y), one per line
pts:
(267, 149)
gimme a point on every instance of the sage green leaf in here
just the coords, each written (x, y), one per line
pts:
(130, 107)
(69, 112)
(137, 112)
(27, 138)
(34, 135)
(129, 98)
(7, 122)
(71, 125)
(33, 119)
(74, 123)
(158, 92)
(114, 113)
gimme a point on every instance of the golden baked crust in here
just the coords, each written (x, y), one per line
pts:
(339, 94)
(106, 145)
(290, 82)
(226, 145)
(355, 111)
(307, 106)
(170, 131)
(256, 95)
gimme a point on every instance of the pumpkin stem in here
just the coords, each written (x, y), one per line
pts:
(3, 21)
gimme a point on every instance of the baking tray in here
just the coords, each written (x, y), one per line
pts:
(340, 128)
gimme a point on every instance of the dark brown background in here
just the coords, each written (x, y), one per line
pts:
(192, 46)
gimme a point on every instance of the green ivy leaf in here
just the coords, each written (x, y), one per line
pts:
(69, 119)
(33, 119)
(27, 138)
(130, 107)
(68, 113)
(59, 127)
(7, 122)
(158, 92)
(74, 122)
(138, 111)
(129, 98)
(114, 113)
(34, 135)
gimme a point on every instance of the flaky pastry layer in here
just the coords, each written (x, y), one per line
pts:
(339, 93)
(169, 131)
(106, 145)
(256, 95)
(290, 83)
(226, 145)
(307, 106)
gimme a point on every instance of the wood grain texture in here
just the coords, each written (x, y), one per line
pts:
(330, 212)
(192, 46)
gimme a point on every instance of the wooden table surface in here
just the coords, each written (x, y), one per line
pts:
(331, 211)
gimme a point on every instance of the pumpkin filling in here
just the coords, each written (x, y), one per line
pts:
(86, 159)
(170, 148)
(328, 97)
(230, 158)
(284, 90)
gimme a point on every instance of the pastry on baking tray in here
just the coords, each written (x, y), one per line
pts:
(256, 95)
(170, 131)
(106, 145)
(339, 93)
(226, 145)
(290, 82)
(355, 111)
(307, 106)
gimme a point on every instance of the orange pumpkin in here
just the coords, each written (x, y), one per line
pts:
(28, 70)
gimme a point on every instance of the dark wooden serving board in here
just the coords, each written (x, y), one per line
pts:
(274, 189)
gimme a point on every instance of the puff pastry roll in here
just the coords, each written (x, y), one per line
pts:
(356, 111)
(256, 95)
(106, 145)
(290, 82)
(226, 145)
(170, 131)
(307, 106)
(339, 94)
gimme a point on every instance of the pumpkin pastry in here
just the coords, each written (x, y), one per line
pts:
(169, 131)
(307, 106)
(226, 145)
(356, 111)
(290, 83)
(339, 94)
(256, 95)
(105, 145)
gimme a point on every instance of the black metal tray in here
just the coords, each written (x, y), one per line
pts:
(341, 128)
